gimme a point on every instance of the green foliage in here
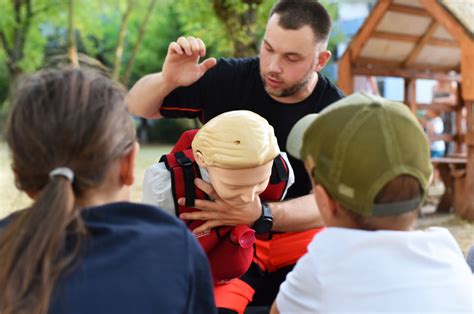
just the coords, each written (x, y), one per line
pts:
(42, 10)
(3, 79)
(163, 28)
(168, 131)
(202, 22)
(97, 24)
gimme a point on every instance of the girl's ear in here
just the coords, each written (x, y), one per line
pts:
(127, 165)
(31, 194)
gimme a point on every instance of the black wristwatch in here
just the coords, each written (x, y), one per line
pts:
(264, 224)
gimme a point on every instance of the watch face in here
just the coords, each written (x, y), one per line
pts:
(263, 226)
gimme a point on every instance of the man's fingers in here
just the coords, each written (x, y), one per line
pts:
(207, 64)
(185, 45)
(202, 47)
(198, 215)
(202, 204)
(205, 227)
(194, 45)
(206, 188)
(174, 47)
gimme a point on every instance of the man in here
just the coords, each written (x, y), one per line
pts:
(369, 161)
(282, 85)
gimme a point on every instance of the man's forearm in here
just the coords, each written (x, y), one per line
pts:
(297, 214)
(147, 95)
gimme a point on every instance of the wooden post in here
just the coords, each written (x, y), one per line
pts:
(410, 94)
(460, 120)
(467, 72)
(345, 76)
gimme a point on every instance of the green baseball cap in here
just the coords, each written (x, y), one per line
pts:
(358, 145)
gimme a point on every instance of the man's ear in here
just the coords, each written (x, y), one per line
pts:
(322, 59)
(127, 166)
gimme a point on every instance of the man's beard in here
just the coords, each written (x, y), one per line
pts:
(293, 89)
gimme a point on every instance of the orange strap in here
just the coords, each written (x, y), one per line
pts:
(283, 249)
(234, 295)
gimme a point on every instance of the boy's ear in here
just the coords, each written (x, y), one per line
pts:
(127, 165)
(325, 202)
(328, 208)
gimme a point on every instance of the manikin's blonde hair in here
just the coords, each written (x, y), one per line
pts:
(238, 139)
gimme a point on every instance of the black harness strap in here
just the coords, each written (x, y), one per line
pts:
(188, 173)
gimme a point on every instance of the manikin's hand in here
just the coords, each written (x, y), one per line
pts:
(181, 66)
(217, 213)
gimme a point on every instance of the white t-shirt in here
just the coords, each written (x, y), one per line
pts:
(157, 183)
(356, 271)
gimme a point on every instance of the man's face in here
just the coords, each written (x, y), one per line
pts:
(287, 59)
(240, 187)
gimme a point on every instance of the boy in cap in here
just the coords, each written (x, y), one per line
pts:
(369, 162)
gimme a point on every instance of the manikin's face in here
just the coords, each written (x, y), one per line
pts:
(287, 59)
(240, 187)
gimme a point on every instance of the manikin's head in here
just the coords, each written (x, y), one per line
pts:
(237, 148)
(294, 48)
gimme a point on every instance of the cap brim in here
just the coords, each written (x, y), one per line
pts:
(295, 138)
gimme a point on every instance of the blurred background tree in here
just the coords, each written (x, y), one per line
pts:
(125, 39)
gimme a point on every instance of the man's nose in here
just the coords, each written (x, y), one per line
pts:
(275, 66)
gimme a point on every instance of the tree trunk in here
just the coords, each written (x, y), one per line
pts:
(121, 41)
(14, 51)
(71, 37)
(136, 46)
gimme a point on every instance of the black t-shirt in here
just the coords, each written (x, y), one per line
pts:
(137, 259)
(235, 84)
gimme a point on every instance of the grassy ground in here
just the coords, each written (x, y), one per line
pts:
(11, 198)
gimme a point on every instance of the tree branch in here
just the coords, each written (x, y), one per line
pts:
(3, 40)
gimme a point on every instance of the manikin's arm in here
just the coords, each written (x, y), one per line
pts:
(288, 216)
(181, 68)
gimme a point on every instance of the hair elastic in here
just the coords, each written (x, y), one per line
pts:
(62, 171)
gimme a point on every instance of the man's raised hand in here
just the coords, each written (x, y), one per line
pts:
(181, 66)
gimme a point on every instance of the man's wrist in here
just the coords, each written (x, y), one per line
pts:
(264, 223)
(164, 83)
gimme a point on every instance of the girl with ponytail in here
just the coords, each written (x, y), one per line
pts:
(82, 247)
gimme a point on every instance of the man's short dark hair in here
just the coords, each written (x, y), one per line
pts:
(295, 14)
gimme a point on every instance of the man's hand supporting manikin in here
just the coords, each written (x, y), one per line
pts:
(297, 214)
